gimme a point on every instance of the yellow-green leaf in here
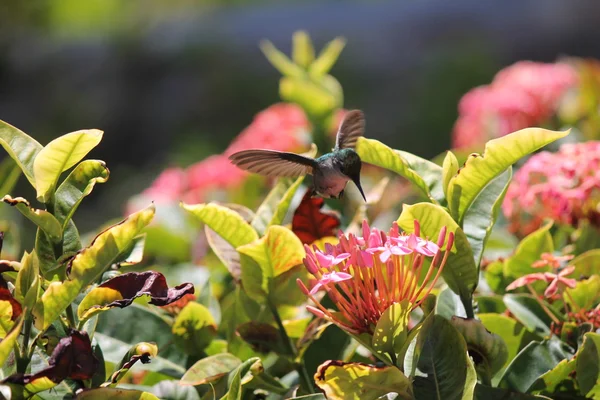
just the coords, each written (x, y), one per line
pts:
(9, 175)
(58, 156)
(8, 342)
(588, 366)
(273, 209)
(194, 328)
(303, 52)
(428, 179)
(280, 61)
(210, 369)
(392, 329)
(460, 272)
(78, 184)
(499, 154)
(43, 219)
(115, 393)
(88, 265)
(227, 223)
(357, 381)
(449, 169)
(20, 147)
(327, 57)
(529, 250)
(313, 97)
(27, 285)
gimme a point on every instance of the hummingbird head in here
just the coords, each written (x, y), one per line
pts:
(350, 165)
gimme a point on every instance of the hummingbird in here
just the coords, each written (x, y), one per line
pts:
(330, 172)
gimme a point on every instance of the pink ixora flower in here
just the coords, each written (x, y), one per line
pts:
(557, 281)
(563, 186)
(363, 276)
(521, 95)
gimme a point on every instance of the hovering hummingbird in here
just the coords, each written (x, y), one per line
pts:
(330, 172)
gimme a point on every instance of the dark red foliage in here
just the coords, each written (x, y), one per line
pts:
(310, 223)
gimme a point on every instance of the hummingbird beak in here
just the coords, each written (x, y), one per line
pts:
(356, 181)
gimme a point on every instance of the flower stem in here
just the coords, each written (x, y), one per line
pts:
(546, 310)
(300, 368)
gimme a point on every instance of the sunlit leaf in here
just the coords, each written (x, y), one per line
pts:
(499, 154)
(88, 265)
(9, 174)
(424, 174)
(21, 148)
(327, 57)
(275, 253)
(142, 352)
(58, 156)
(460, 272)
(588, 366)
(280, 61)
(76, 186)
(227, 223)
(122, 290)
(43, 219)
(115, 393)
(558, 376)
(585, 294)
(10, 310)
(27, 285)
(392, 329)
(480, 218)
(194, 328)
(242, 375)
(314, 97)
(529, 250)
(449, 169)
(587, 264)
(303, 52)
(210, 369)
(8, 342)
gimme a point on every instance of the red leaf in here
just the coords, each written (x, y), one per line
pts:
(310, 223)
(16, 307)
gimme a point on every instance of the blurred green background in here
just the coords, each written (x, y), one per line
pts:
(171, 82)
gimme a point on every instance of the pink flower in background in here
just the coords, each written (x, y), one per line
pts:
(365, 275)
(563, 186)
(282, 127)
(522, 95)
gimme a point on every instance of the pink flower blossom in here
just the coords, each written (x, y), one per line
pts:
(557, 281)
(363, 276)
(521, 95)
(563, 186)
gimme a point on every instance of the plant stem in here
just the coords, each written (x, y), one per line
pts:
(300, 368)
(24, 358)
(546, 310)
(71, 317)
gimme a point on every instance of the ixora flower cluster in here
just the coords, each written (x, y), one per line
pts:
(563, 186)
(282, 127)
(363, 276)
(522, 95)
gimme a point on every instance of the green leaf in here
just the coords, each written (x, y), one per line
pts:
(490, 304)
(194, 328)
(460, 272)
(528, 251)
(532, 362)
(43, 219)
(499, 154)
(442, 355)
(481, 216)
(114, 349)
(115, 393)
(76, 186)
(9, 175)
(449, 170)
(8, 342)
(428, 179)
(27, 285)
(276, 253)
(488, 349)
(280, 61)
(357, 381)
(327, 57)
(588, 366)
(483, 392)
(273, 209)
(242, 374)
(528, 311)
(88, 265)
(391, 331)
(303, 52)
(58, 156)
(558, 376)
(584, 294)
(315, 98)
(21, 148)
(210, 369)
(513, 333)
(227, 223)
(448, 304)
(587, 264)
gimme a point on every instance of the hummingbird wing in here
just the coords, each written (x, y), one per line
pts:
(351, 128)
(273, 163)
